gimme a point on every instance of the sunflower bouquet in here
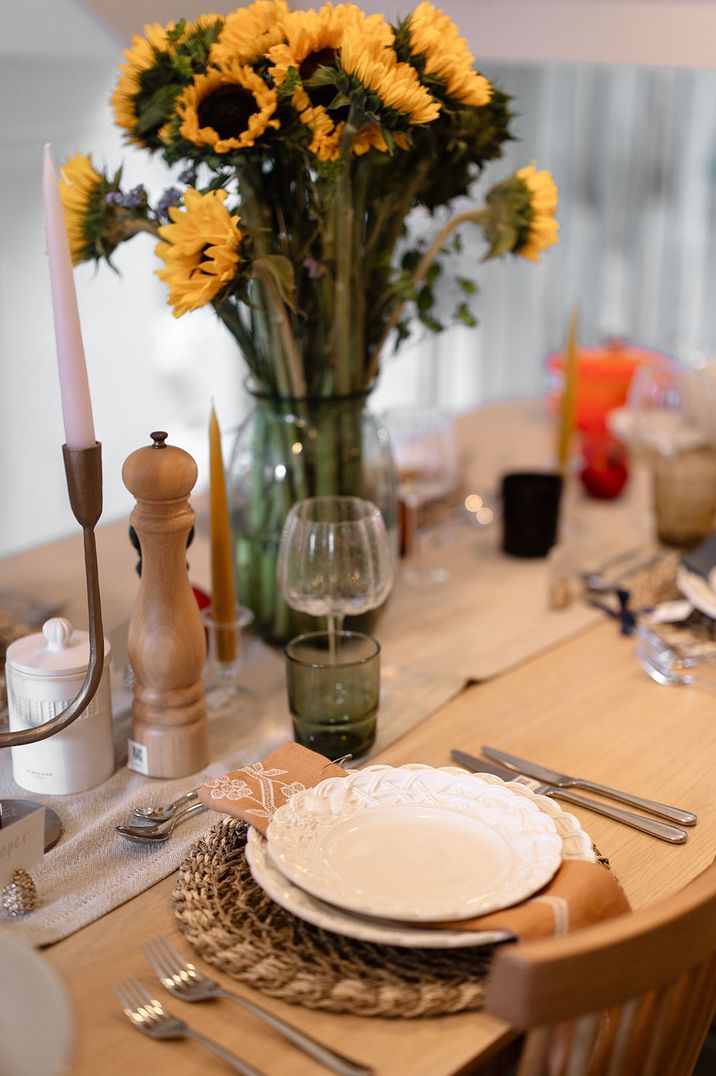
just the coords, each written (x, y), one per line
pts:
(303, 140)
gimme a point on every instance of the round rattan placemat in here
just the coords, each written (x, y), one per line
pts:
(231, 923)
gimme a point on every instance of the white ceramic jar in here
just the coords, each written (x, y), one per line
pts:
(44, 673)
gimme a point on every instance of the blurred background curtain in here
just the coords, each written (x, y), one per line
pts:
(633, 151)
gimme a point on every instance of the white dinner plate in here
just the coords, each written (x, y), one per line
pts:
(35, 1013)
(576, 844)
(414, 843)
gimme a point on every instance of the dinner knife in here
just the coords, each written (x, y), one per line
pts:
(563, 780)
(664, 832)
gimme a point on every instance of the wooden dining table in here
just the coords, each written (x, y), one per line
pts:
(581, 704)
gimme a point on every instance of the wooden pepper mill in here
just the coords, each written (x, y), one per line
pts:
(167, 645)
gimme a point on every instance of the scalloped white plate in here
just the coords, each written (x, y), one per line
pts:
(414, 843)
(576, 844)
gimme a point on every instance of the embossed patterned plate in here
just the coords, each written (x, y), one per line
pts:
(414, 843)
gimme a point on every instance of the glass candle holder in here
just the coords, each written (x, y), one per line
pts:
(334, 703)
(685, 496)
(224, 656)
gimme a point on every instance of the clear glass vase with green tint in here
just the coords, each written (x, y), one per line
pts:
(289, 449)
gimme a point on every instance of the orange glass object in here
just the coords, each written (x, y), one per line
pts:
(603, 377)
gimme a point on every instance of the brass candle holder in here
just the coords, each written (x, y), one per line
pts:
(83, 467)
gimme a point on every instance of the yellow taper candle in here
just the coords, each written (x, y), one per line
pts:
(569, 394)
(223, 599)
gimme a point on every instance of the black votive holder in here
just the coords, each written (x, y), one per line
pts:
(530, 512)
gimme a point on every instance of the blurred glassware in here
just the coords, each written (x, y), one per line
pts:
(684, 496)
(666, 666)
(224, 657)
(698, 392)
(426, 460)
(655, 419)
(334, 559)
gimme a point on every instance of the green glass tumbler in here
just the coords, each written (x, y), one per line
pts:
(334, 703)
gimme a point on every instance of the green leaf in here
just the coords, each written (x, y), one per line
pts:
(158, 109)
(463, 314)
(322, 76)
(281, 271)
(469, 287)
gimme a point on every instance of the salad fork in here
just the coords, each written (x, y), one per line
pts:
(184, 981)
(151, 1018)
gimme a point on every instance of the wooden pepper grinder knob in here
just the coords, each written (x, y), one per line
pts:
(167, 647)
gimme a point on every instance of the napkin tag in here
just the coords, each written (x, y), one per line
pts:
(22, 843)
(256, 791)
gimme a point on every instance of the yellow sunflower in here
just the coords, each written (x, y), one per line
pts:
(249, 33)
(79, 187)
(201, 250)
(141, 57)
(227, 109)
(435, 38)
(312, 39)
(396, 84)
(543, 228)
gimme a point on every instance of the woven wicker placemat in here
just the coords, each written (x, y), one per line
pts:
(231, 923)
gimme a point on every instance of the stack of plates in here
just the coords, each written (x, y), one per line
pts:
(384, 852)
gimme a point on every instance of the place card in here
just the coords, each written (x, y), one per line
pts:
(22, 843)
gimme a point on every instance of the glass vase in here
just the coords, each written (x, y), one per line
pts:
(286, 450)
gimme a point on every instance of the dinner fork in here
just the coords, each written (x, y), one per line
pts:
(151, 1018)
(184, 981)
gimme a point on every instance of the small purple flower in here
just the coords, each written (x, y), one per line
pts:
(171, 197)
(133, 199)
(314, 268)
(188, 176)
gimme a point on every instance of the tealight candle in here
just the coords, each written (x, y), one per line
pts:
(74, 386)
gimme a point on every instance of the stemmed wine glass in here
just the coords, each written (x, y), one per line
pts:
(334, 559)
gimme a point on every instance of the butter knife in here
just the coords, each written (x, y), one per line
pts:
(650, 826)
(563, 780)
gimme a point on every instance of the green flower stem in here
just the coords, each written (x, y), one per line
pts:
(474, 216)
(344, 257)
(133, 226)
(359, 305)
(232, 320)
(293, 376)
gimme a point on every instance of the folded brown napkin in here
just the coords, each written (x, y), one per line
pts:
(579, 894)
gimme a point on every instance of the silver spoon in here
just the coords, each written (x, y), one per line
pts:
(163, 814)
(163, 830)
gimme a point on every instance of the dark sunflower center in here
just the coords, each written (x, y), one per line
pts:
(314, 60)
(321, 95)
(227, 111)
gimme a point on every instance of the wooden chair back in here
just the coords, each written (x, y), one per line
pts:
(633, 996)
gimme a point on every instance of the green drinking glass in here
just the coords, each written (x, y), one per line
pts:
(333, 695)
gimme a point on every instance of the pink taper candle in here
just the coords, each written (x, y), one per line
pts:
(74, 387)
